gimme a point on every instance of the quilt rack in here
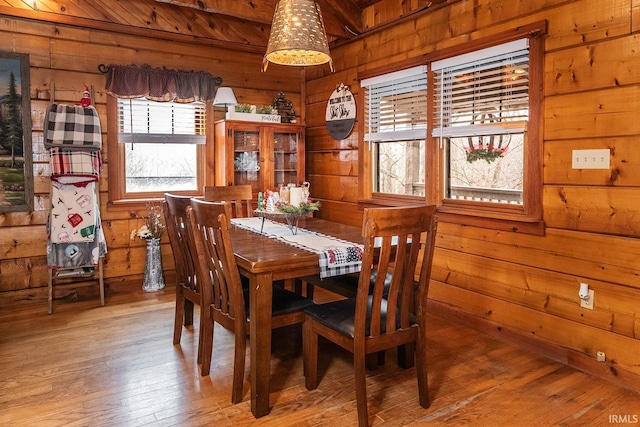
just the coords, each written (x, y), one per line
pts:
(76, 245)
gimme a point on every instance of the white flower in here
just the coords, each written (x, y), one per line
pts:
(152, 227)
(144, 232)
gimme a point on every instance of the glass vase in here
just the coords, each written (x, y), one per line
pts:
(153, 278)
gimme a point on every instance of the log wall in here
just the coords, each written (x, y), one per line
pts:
(65, 58)
(519, 286)
(523, 287)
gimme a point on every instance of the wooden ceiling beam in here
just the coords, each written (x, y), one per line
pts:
(125, 29)
(255, 11)
(344, 11)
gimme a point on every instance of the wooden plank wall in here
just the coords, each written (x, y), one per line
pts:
(67, 58)
(525, 286)
(514, 285)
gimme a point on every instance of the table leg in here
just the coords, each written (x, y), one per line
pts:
(260, 342)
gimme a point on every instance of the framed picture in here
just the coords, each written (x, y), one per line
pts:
(16, 169)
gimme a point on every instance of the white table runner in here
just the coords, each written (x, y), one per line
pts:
(335, 256)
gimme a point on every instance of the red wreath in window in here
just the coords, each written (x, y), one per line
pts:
(488, 147)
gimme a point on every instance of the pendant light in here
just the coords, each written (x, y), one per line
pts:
(297, 35)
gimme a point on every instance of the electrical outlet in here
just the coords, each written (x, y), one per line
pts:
(601, 357)
(588, 303)
(590, 159)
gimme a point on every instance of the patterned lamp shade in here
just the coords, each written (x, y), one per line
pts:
(297, 35)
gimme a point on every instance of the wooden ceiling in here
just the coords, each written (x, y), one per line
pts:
(240, 24)
(343, 19)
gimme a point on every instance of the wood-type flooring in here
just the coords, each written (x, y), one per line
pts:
(87, 365)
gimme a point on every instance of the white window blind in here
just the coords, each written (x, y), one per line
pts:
(144, 121)
(485, 92)
(396, 106)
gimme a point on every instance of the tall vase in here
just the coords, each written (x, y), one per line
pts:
(153, 279)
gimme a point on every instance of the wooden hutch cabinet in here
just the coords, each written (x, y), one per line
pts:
(263, 155)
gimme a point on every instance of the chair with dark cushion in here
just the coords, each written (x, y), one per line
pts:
(228, 302)
(382, 315)
(183, 249)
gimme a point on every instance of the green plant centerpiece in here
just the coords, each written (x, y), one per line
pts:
(302, 209)
(293, 213)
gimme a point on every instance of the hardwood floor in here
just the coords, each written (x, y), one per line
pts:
(87, 365)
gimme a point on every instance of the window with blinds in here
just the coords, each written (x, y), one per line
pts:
(161, 141)
(144, 121)
(481, 112)
(396, 105)
(396, 122)
(482, 93)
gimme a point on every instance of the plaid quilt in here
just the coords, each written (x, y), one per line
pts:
(73, 127)
(74, 166)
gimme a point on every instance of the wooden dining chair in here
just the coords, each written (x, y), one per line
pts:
(381, 315)
(228, 302)
(183, 248)
(240, 197)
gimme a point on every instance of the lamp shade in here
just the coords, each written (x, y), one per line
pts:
(224, 96)
(297, 35)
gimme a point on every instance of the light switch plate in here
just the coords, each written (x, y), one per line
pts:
(590, 159)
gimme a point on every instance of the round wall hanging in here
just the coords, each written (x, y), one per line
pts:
(341, 112)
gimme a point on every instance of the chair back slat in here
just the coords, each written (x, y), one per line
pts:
(239, 196)
(427, 247)
(182, 245)
(216, 264)
(392, 246)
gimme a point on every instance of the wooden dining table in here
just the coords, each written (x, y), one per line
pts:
(264, 260)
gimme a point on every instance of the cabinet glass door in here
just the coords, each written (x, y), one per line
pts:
(246, 158)
(285, 158)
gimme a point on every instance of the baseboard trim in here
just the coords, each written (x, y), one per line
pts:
(608, 370)
(78, 289)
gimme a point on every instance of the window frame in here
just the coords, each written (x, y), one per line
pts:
(525, 218)
(116, 162)
(376, 117)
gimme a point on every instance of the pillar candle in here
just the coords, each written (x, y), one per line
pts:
(284, 194)
(295, 196)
